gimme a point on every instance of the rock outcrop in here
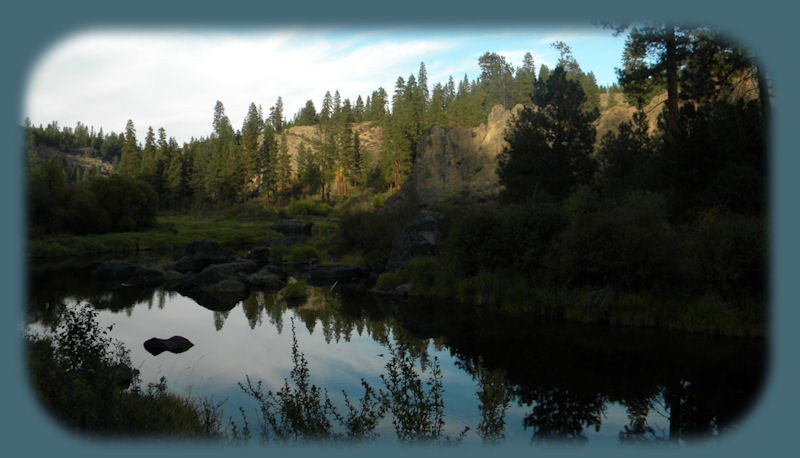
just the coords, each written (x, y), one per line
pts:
(456, 164)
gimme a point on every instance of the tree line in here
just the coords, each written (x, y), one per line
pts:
(253, 163)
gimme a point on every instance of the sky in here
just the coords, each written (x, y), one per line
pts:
(172, 78)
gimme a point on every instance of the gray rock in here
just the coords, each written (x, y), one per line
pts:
(260, 255)
(419, 237)
(175, 344)
(215, 273)
(197, 255)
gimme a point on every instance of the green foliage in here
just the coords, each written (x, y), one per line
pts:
(627, 244)
(418, 411)
(549, 148)
(730, 253)
(367, 233)
(629, 158)
(510, 237)
(301, 411)
(47, 197)
(114, 204)
(716, 161)
(84, 378)
(308, 206)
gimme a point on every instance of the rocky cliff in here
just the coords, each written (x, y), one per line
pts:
(460, 163)
(457, 164)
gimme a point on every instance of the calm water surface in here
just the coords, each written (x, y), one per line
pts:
(563, 381)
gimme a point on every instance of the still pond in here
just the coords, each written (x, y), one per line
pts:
(511, 380)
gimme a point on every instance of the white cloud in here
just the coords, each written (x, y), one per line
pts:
(172, 78)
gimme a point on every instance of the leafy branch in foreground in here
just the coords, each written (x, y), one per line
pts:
(418, 412)
(301, 411)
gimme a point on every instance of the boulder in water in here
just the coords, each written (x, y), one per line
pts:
(175, 344)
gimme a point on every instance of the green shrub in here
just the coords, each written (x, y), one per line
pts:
(730, 252)
(307, 206)
(76, 375)
(303, 253)
(627, 244)
(506, 237)
(366, 233)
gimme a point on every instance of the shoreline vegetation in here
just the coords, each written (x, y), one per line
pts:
(364, 237)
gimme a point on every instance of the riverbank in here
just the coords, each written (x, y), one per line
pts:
(170, 233)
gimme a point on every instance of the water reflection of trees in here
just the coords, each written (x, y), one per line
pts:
(563, 374)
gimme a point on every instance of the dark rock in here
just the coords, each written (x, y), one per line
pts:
(329, 274)
(114, 270)
(184, 265)
(146, 277)
(216, 273)
(228, 285)
(175, 344)
(292, 227)
(419, 237)
(217, 301)
(260, 255)
(197, 255)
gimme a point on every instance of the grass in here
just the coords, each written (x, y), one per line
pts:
(170, 232)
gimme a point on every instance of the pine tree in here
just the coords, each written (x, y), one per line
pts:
(147, 166)
(550, 148)
(327, 108)
(129, 162)
(524, 78)
(251, 131)
(283, 169)
(276, 116)
(267, 160)
(359, 110)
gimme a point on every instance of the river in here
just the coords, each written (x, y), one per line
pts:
(510, 379)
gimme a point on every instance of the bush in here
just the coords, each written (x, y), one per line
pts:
(366, 233)
(512, 237)
(730, 252)
(627, 244)
(84, 377)
(113, 204)
(307, 206)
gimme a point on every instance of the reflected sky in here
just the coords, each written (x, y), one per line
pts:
(560, 378)
(226, 349)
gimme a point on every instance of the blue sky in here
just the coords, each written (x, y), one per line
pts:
(172, 78)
